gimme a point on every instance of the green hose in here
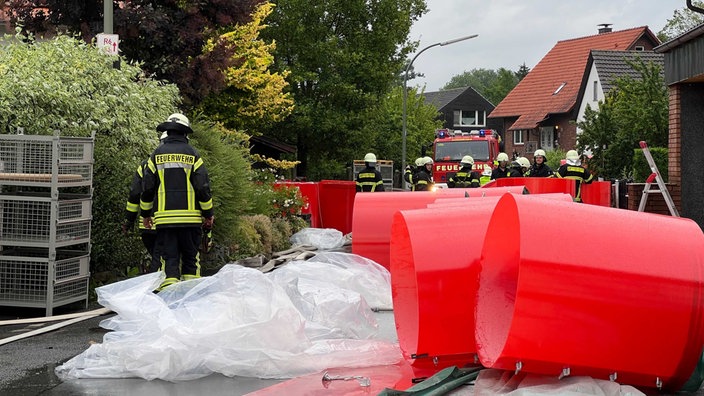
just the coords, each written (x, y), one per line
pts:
(439, 384)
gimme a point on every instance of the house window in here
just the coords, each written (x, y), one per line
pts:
(640, 48)
(469, 118)
(519, 136)
(596, 91)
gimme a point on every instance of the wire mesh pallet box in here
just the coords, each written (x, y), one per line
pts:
(44, 229)
(46, 161)
(25, 274)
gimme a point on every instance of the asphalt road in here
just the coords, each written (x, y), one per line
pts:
(27, 365)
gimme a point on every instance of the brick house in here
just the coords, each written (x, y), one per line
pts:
(684, 75)
(541, 111)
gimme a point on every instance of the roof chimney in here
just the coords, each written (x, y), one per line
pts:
(604, 28)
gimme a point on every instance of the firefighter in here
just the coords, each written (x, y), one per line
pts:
(176, 200)
(539, 167)
(465, 177)
(148, 236)
(423, 180)
(369, 179)
(410, 172)
(519, 167)
(572, 169)
(502, 170)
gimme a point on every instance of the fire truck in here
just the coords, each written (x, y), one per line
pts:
(450, 146)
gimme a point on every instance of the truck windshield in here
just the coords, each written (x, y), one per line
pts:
(454, 151)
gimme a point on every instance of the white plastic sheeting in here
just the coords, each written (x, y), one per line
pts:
(238, 322)
(322, 238)
(505, 383)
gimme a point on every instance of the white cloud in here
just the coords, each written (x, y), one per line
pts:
(512, 32)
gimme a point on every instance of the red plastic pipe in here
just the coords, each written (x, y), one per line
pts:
(586, 290)
(372, 215)
(435, 257)
(447, 202)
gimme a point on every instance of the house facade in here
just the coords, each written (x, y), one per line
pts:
(463, 109)
(604, 68)
(684, 76)
(542, 110)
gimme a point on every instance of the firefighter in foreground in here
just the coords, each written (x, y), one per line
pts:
(465, 177)
(423, 180)
(502, 170)
(369, 179)
(539, 167)
(572, 169)
(175, 199)
(132, 210)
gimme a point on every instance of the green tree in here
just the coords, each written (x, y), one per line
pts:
(384, 120)
(522, 71)
(167, 36)
(67, 85)
(494, 85)
(682, 20)
(254, 96)
(637, 109)
(343, 57)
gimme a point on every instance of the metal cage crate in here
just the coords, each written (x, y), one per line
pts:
(28, 221)
(25, 275)
(36, 160)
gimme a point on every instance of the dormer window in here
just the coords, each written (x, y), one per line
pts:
(559, 88)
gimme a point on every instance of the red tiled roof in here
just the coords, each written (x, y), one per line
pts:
(534, 98)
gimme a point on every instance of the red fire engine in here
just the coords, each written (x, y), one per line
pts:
(450, 146)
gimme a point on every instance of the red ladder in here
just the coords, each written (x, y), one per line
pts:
(655, 176)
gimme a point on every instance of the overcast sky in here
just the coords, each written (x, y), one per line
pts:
(512, 32)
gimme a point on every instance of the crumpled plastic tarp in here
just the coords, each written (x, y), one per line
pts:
(237, 322)
(322, 238)
(492, 382)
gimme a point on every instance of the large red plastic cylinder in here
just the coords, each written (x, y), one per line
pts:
(447, 202)
(597, 193)
(337, 204)
(519, 188)
(588, 290)
(373, 213)
(540, 185)
(434, 270)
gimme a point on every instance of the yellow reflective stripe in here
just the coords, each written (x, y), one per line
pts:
(161, 193)
(190, 193)
(422, 182)
(151, 166)
(176, 220)
(190, 277)
(365, 175)
(146, 205)
(132, 207)
(140, 171)
(207, 205)
(198, 164)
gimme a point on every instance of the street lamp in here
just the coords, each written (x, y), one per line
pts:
(405, 97)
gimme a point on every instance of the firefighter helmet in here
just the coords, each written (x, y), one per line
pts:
(427, 160)
(523, 161)
(502, 157)
(176, 122)
(572, 155)
(467, 160)
(370, 157)
(419, 161)
(539, 153)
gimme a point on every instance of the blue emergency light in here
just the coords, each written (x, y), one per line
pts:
(482, 132)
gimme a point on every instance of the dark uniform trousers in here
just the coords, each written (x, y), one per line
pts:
(182, 246)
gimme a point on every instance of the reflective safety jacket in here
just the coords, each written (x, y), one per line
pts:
(423, 181)
(369, 179)
(176, 186)
(542, 170)
(498, 173)
(464, 178)
(132, 207)
(578, 174)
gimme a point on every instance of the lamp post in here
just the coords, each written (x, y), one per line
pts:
(405, 96)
